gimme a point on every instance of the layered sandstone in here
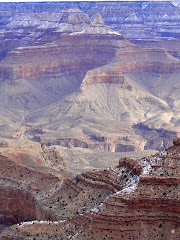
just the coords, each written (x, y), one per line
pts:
(147, 60)
(142, 203)
(26, 170)
(94, 46)
(170, 44)
(104, 66)
(37, 28)
(107, 75)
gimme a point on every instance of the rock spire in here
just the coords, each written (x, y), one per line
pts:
(98, 21)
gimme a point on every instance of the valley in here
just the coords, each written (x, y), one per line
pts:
(89, 120)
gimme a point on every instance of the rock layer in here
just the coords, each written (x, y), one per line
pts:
(90, 72)
(24, 173)
(142, 202)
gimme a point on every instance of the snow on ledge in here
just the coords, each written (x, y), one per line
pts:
(131, 186)
(95, 210)
(23, 224)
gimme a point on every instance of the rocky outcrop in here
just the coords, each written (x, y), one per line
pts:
(172, 45)
(94, 46)
(18, 186)
(53, 158)
(147, 60)
(141, 202)
(25, 171)
(105, 74)
(176, 141)
(37, 28)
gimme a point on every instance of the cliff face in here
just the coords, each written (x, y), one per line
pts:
(57, 68)
(74, 82)
(137, 199)
(36, 28)
(135, 19)
(84, 51)
(25, 171)
(17, 205)
(147, 60)
(112, 93)
(71, 53)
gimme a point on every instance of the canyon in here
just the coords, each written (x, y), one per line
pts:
(75, 82)
(138, 198)
(89, 120)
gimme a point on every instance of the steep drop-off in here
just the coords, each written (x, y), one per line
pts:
(137, 199)
(89, 86)
(114, 97)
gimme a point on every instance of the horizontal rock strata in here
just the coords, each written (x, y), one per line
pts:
(142, 202)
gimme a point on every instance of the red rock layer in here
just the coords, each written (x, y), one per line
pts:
(105, 74)
(172, 45)
(71, 52)
(17, 205)
(155, 60)
(19, 185)
(148, 209)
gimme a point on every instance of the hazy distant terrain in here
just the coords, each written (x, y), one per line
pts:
(107, 82)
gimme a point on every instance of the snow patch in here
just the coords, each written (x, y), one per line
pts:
(163, 153)
(96, 30)
(176, 3)
(95, 210)
(23, 224)
(130, 186)
(146, 166)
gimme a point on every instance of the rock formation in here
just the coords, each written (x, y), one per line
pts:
(89, 76)
(37, 28)
(137, 199)
(26, 169)
(89, 85)
(111, 92)
(57, 68)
